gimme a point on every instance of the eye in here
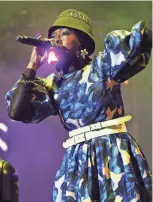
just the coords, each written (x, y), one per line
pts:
(66, 33)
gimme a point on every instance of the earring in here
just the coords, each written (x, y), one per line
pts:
(82, 53)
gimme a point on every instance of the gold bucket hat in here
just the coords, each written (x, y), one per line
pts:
(79, 21)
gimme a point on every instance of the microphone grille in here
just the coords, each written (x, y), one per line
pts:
(19, 38)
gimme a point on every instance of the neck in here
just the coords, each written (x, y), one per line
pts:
(76, 64)
(70, 62)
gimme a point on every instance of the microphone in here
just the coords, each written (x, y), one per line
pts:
(33, 42)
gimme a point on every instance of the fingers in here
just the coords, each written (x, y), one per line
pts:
(38, 36)
(44, 57)
(39, 55)
(51, 40)
(39, 51)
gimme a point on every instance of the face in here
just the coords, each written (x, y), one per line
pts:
(67, 38)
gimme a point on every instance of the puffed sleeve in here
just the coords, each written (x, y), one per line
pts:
(126, 53)
(31, 101)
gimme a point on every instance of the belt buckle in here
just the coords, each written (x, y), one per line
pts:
(79, 138)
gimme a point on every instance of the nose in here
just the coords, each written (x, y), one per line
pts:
(58, 40)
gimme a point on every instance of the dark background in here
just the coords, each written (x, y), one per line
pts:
(36, 150)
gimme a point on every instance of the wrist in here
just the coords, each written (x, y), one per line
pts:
(29, 74)
(32, 66)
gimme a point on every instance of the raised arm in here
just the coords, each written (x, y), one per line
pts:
(127, 53)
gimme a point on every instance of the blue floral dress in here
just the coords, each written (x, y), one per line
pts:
(110, 168)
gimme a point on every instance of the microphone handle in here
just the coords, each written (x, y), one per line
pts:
(33, 42)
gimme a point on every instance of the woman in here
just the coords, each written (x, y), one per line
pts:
(102, 161)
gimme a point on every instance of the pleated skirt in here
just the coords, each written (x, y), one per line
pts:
(110, 168)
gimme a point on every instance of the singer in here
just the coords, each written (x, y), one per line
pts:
(102, 161)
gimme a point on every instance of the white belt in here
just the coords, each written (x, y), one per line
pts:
(96, 130)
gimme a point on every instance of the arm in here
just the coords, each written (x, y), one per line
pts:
(30, 100)
(126, 53)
